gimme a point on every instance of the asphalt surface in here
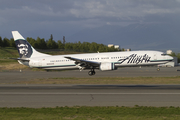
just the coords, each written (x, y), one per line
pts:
(15, 76)
(37, 96)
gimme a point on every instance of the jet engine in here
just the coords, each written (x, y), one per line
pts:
(107, 66)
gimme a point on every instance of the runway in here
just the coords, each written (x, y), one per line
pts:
(38, 96)
(16, 76)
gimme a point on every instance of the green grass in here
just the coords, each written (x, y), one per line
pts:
(8, 52)
(91, 113)
(7, 61)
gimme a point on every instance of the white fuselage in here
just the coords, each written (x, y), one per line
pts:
(129, 58)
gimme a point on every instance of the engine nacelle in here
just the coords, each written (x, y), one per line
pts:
(107, 66)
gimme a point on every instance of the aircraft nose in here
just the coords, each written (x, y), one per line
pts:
(170, 58)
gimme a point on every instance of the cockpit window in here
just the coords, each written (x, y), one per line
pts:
(163, 54)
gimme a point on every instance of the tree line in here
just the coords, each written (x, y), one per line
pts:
(173, 54)
(41, 43)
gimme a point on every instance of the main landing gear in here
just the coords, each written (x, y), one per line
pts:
(91, 72)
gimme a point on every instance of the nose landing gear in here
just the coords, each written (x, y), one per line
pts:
(158, 69)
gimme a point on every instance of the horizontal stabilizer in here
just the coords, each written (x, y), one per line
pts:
(24, 59)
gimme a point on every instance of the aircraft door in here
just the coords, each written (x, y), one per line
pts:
(39, 62)
(155, 56)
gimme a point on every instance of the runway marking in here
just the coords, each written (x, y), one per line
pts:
(89, 93)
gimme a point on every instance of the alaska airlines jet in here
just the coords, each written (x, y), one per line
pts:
(102, 61)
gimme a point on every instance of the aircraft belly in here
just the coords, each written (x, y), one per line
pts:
(139, 64)
(60, 68)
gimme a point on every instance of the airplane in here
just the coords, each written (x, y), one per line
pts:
(105, 61)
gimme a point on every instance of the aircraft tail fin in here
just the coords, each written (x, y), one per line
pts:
(24, 48)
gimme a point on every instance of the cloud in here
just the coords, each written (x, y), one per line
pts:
(89, 9)
(68, 14)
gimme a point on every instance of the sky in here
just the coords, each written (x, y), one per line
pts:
(41, 18)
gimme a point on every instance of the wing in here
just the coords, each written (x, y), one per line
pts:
(84, 63)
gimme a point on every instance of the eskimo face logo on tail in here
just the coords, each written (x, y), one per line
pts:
(136, 59)
(24, 48)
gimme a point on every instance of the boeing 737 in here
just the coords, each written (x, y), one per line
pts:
(102, 61)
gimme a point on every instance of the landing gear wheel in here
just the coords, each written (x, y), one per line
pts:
(91, 73)
(158, 69)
